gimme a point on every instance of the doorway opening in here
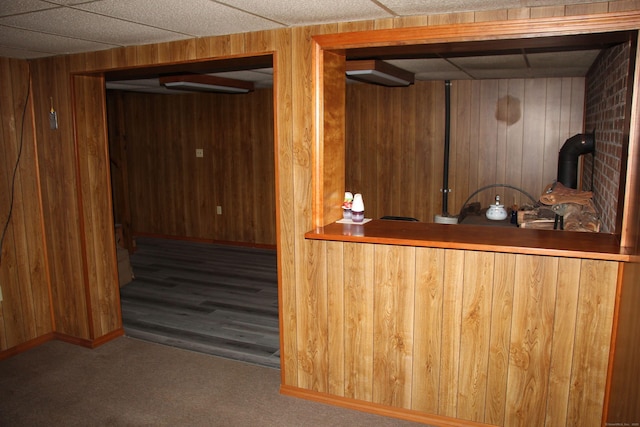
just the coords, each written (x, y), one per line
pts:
(193, 186)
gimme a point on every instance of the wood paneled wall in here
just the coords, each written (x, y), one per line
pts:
(171, 191)
(320, 282)
(502, 132)
(501, 339)
(59, 187)
(25, 306)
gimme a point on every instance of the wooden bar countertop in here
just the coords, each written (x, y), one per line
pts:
(600, 246)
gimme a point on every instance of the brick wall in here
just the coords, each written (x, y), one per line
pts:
(606, 111)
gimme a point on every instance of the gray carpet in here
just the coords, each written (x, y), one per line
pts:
(129, 382)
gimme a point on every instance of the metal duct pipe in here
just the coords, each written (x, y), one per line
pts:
(573, 147)
(447, 137)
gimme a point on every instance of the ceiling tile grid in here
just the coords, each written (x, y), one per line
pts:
(88, 25)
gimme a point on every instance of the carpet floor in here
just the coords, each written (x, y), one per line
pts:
(129, 382)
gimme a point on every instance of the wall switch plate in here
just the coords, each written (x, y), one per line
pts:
(199, 152)
(219, 210)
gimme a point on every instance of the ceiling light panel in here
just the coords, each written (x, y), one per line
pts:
(206, 83)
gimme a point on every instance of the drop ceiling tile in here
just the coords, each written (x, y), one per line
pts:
(492, 62)
(423, 65)
(295, 12)
(71, 2)
(8, 52)
(442, 75)
(420, 7)
(23, 6)
(574, 59)
(46, 43)
(78, 24)
(501, 74)
(196, 18)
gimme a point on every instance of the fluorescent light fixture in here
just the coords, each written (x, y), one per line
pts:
(378, 72)
(206, 83)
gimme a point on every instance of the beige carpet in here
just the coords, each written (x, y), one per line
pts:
(128, 382)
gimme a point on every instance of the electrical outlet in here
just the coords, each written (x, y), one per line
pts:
(219, 210)
(199, 152)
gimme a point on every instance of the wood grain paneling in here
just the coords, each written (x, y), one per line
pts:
(393, 326)
(92, 156)
(475, 335)
(358, 318)
(493, 338)
(25, 312)
(56, 151)
(384, 124)
(429, 293)
(309, 273)
(531, 339)
(592, 342)
(171, 191)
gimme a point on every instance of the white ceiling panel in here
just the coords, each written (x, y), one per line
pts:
(579, 59)
(9, 52)
(417, 7)
(78, 24)
(47, 44)
(296, 12)
(39, 28)
(8, 7)
(494, 62)
(196, 18)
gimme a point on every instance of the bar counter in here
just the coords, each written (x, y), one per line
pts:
(598, 246)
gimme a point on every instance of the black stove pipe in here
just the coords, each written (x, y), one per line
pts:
(573, 147)
(447, 137)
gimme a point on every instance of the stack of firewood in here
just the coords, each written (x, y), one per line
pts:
(575, 207)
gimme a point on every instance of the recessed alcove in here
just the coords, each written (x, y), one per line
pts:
(506, 127)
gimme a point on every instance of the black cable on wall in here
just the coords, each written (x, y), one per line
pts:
(15, 168)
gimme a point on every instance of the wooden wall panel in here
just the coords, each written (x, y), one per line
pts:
(499, 344)
(359, 301)
(564, 329)
(171, 191)
(592, 342)
(475, 335)
(302, 264)
(25, 312)
(502, 132)
(501, 339)
(624, 397)
(101, 270)
(531, 339)
(393, 326)
(429, 293)
(61, 212)
(451, 324)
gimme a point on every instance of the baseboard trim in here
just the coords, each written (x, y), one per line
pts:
(378, 409)
(89, 343)
(25, 346)
(211, 241)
